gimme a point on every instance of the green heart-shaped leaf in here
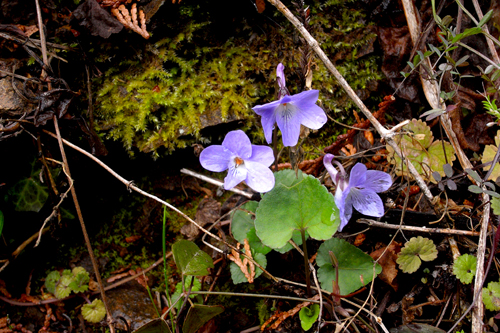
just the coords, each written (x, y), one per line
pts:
(198, 315)
(354, 266)
(242, 227)
(154, 326)
(190, 259)
(308, 315)
(296, 204)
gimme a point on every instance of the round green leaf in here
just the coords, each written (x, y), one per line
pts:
(62, 288)
(242, 227)
(415, 250)
(51, 280)
(308, 315)
(94, 312)
(354, 266)
(465, 268)
(488, 156)
(29, 195)
(190, 259)
(305, 205)
(491, 296)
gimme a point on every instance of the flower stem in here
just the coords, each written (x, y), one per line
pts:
(306, 262)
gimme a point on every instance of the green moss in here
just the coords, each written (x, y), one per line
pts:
(159, 98)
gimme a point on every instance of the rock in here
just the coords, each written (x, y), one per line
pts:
(131, 301)
(208, 212)
(11, 104)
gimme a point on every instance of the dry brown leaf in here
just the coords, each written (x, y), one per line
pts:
(369, 137)
(279, 317)
(388, 263)
(360, 238)
(132, 239)
(261, 5)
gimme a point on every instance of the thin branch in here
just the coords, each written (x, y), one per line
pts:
(431, 91)
(215, 182)
(418, 229)
(130, 185)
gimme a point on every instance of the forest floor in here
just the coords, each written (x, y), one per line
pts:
(93, 218)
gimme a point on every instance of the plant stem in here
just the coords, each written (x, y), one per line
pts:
(164, 253)
(306, 262)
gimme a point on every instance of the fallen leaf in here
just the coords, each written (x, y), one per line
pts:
(388, 263)
(261, 5)
(360, 238)
(132, 239)
(97, 20)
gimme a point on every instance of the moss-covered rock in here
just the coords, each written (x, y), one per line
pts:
(195, 76)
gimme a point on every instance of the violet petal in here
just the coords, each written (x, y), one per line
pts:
(262, 154)
(238, 143)
(378, 181)
(358, 176)
(260, 178)
(215, 158)
(268, 118)
(289, 123)
(367, 202)
(235, 175)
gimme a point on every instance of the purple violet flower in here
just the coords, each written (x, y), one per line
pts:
(246, 162)
(359, 191)
(289, 112)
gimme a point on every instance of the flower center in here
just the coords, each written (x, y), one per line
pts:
(238, 161)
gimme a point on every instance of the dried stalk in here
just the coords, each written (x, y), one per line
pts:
(432, 94)
(67, 171)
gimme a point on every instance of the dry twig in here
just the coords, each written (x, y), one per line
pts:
(432, 94)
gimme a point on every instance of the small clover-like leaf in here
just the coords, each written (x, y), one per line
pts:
(475, 189)
(80, 281)
(62, 288)
(422, 151)
(495, 205)
(448, 170)
(464, 268)
(451, 184)
(94, 312)
(51, 281)
(308, 315)
(491, 296)
(415, 250)
(488, 156)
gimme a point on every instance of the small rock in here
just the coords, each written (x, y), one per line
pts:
(131, 301)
